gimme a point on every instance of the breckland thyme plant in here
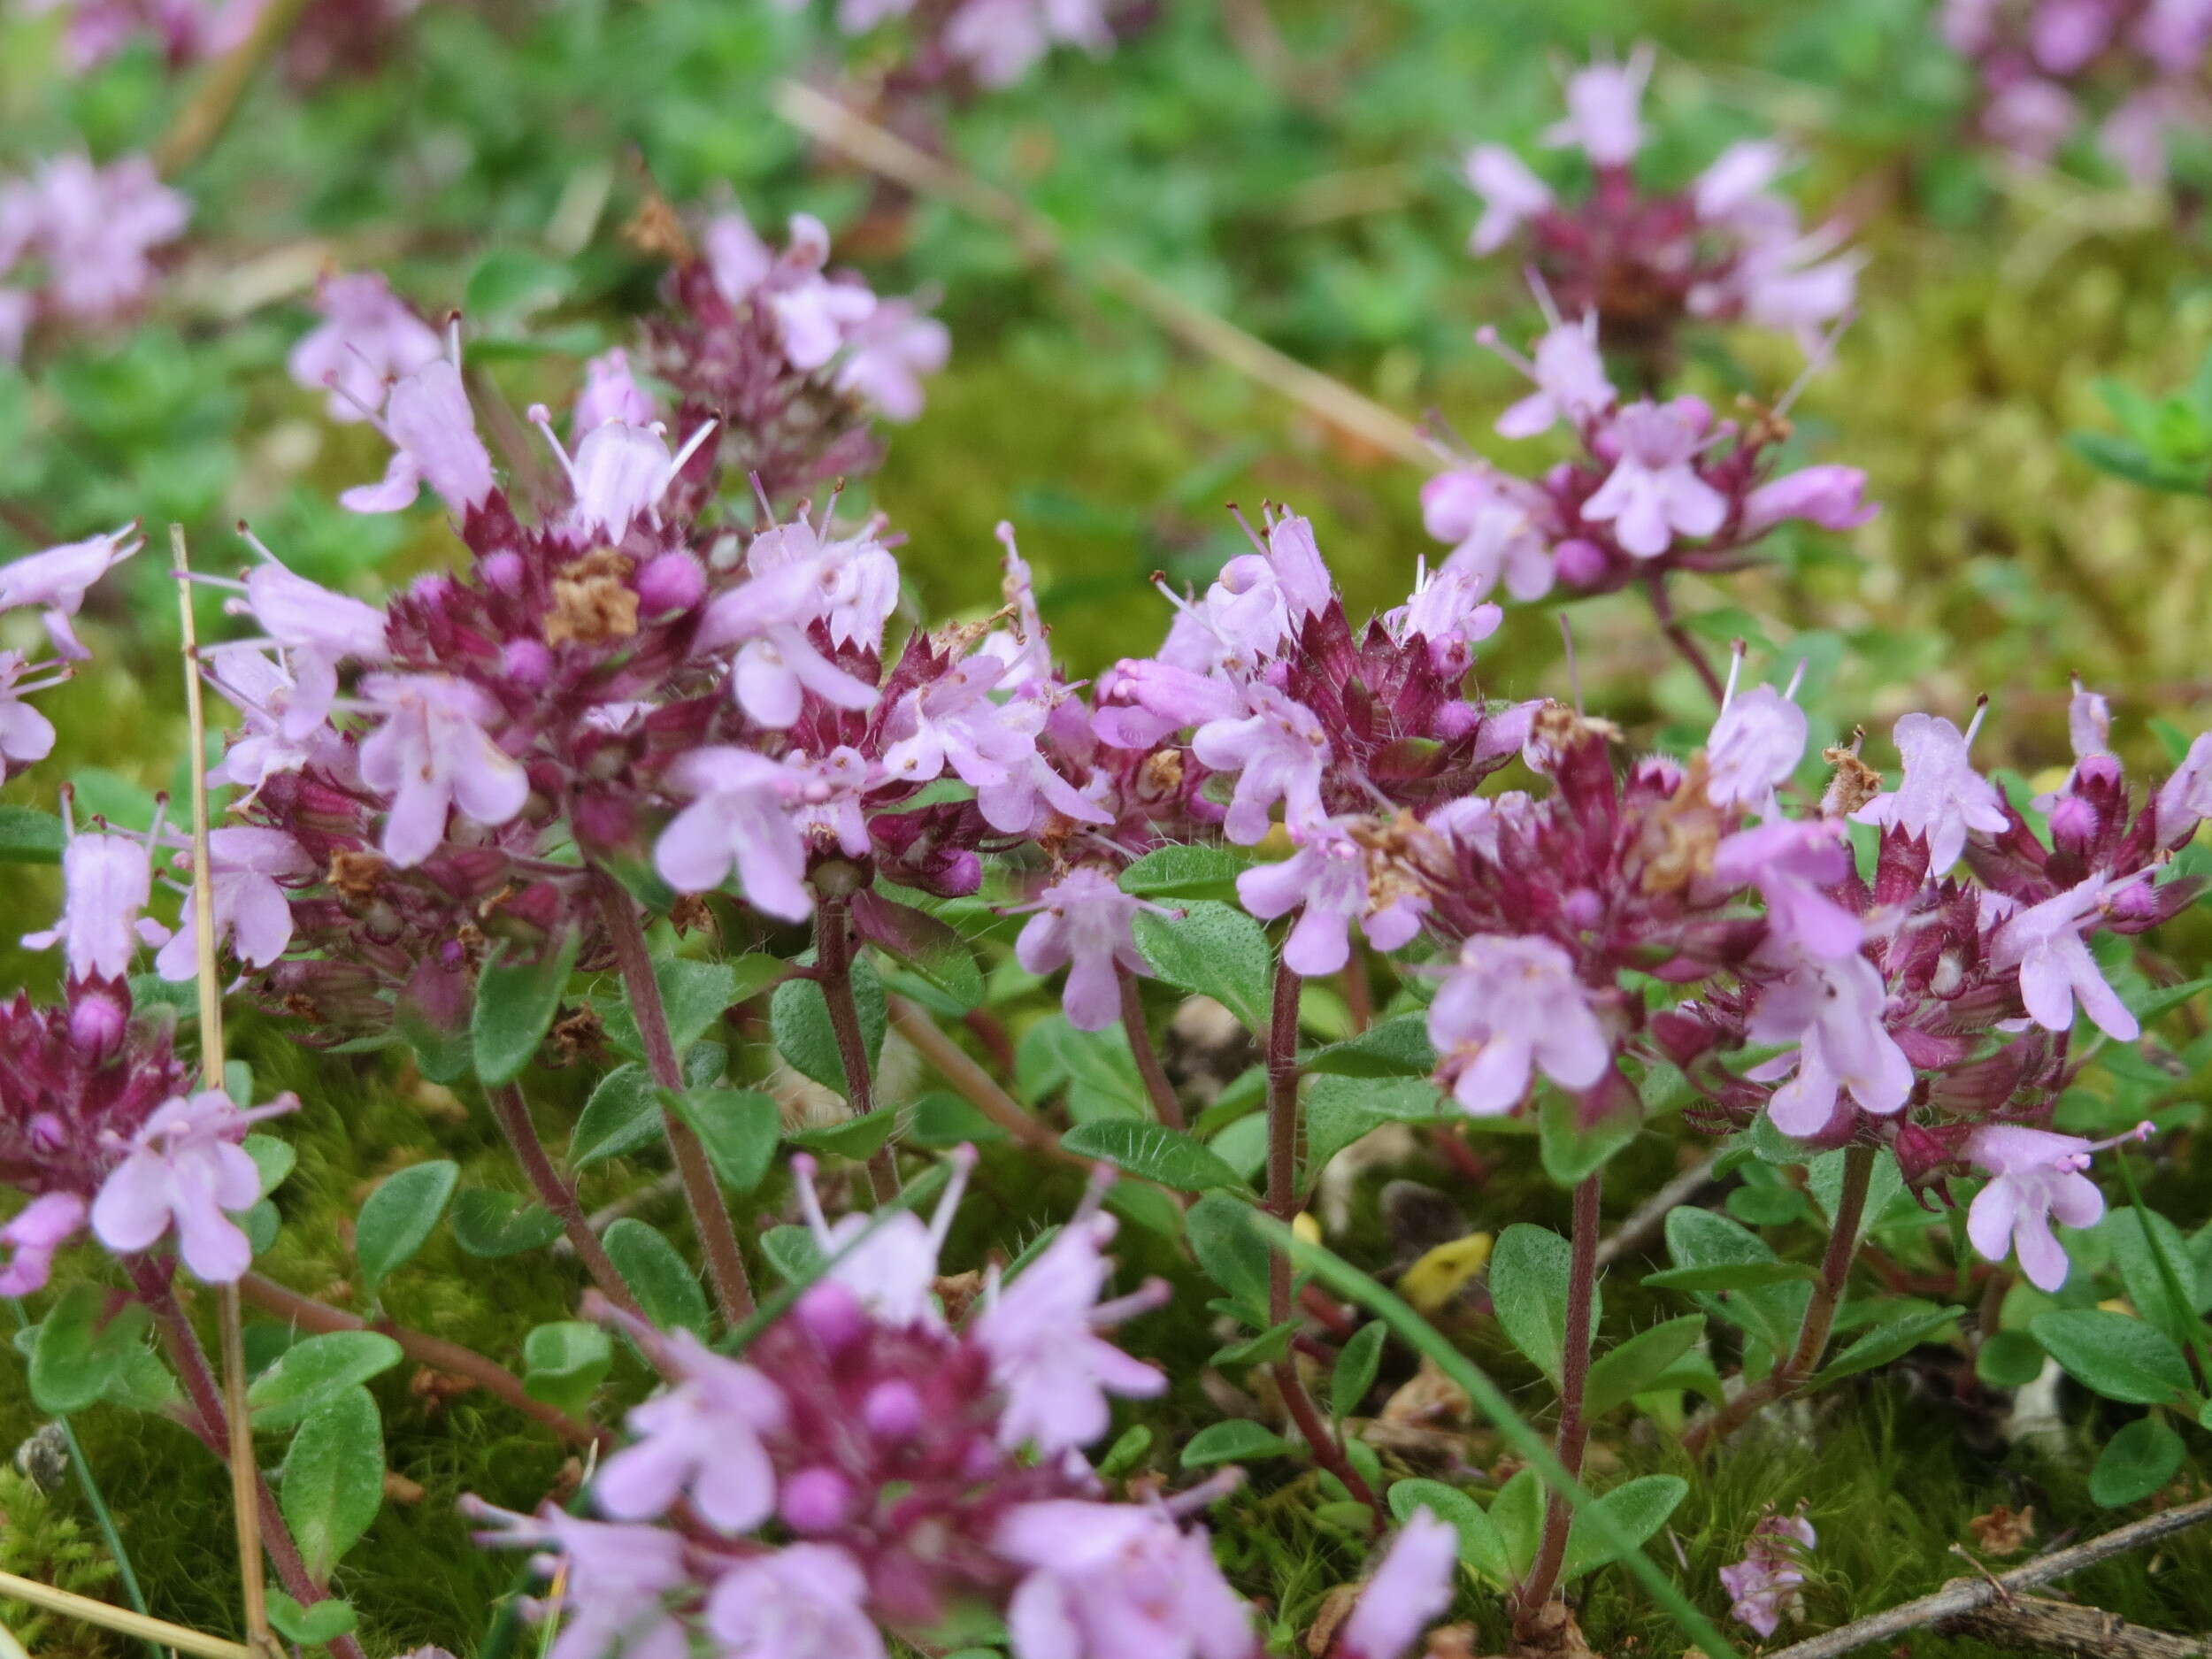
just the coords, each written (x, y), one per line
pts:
(1015, 1039)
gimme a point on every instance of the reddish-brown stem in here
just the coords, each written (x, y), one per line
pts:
(1166, 1105)
(212, 1426)
(1573, 1433)
(1282, 1203)
(833, 972)
(1359, 996)
(419, 1346)
(1678, 636)
(976, 1085)
(1791, 1371)
(513, 1113)
(702, 1194)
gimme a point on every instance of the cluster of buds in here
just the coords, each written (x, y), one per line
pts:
(79, 244)
(2041, 64)
(979, 42)
(618, 674)
(329, 35)
(1659, 486)
(787, 355)
(1644, 261)
(868, 1467)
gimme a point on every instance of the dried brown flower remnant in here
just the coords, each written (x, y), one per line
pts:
(2004, 1530)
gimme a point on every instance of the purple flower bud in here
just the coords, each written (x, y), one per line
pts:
(815, 1501)
(831, 1315)
(98, 1020)
(893, 1410)
(1830, 496)
(503, 572)
(672, 581)
(527, 663)
(1578, 563)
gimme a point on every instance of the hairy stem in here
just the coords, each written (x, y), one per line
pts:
(1166, 1105)
(557, 1194)
(153, 1282)
(1790, 1373)
(702, 1194)
(833, 972)
(1282, 1203)
(1678, 636)
(419, 1346)
(1573, 1434)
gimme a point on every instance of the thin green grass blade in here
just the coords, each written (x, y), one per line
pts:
(2169, 1276)
(1346, 1280)
(125, 1575)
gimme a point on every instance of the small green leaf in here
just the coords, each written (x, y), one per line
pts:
(1127, 1452)
(1357, 1362)
(509, 285)
(792, 1252)
(623, 1114)
(2112, 1354)
(799, 1021)
(2008, 1359)
(1236, 1441)
(658, 1276)
(563, 1362)
(515, 1004)
(1572, 1152)
(331, 1484)
(1891, 1340)
(1699, 1238)
(399, 1215)
(1529, 1270)
(929, 949)
(1169, 875)
(1637, 1510)
(2142, 1457)
(1480, 1544)
(1517, 1514)
(1735, 1275)
(1638, 1365)
(1264, 1349)
(857, 1138)
(490, 1225)
(316, 1369)
(1152, 1151)
(1229, 1247)
(309, 1626)
(738, 1127)
(272, 1158)
(1394, 1047)
(694, 996)
(1215, 951)
(81, 1353)
(29, 836)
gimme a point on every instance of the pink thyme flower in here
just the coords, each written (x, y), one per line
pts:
(41, 1228)
(1326, 880)
(1084, 923)
(1604, 110)
(1830, 496)
(431, 754)
(1755, 745)
(999, 40)
(368, 338)
(1041, 1334)
(2034, 1175)
(610, 393)
(620, 1577)
(106, 881)
(26, 736)
(1832, 1008)
(888, 353)
(248, 865)
(1509, 1007)
(801, 1601)
(618, 474)
(95, 230)
(432, 431)
(767, 618)
(814, 312)
(1511, 195)
(2044, 942)
(738, 818)
(1654, 493)
(1110, 1580)
(1276, 750)
(1490, 520)
(700, 1437)
(1941, 796)
(1568, 374)
(1791, 861)
(952, 723)
(2184, 800)
(57, 579)
(1407, 1594)
(1737, 179)
(891, 1271)
(1763, 1585)
(185, 1170)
